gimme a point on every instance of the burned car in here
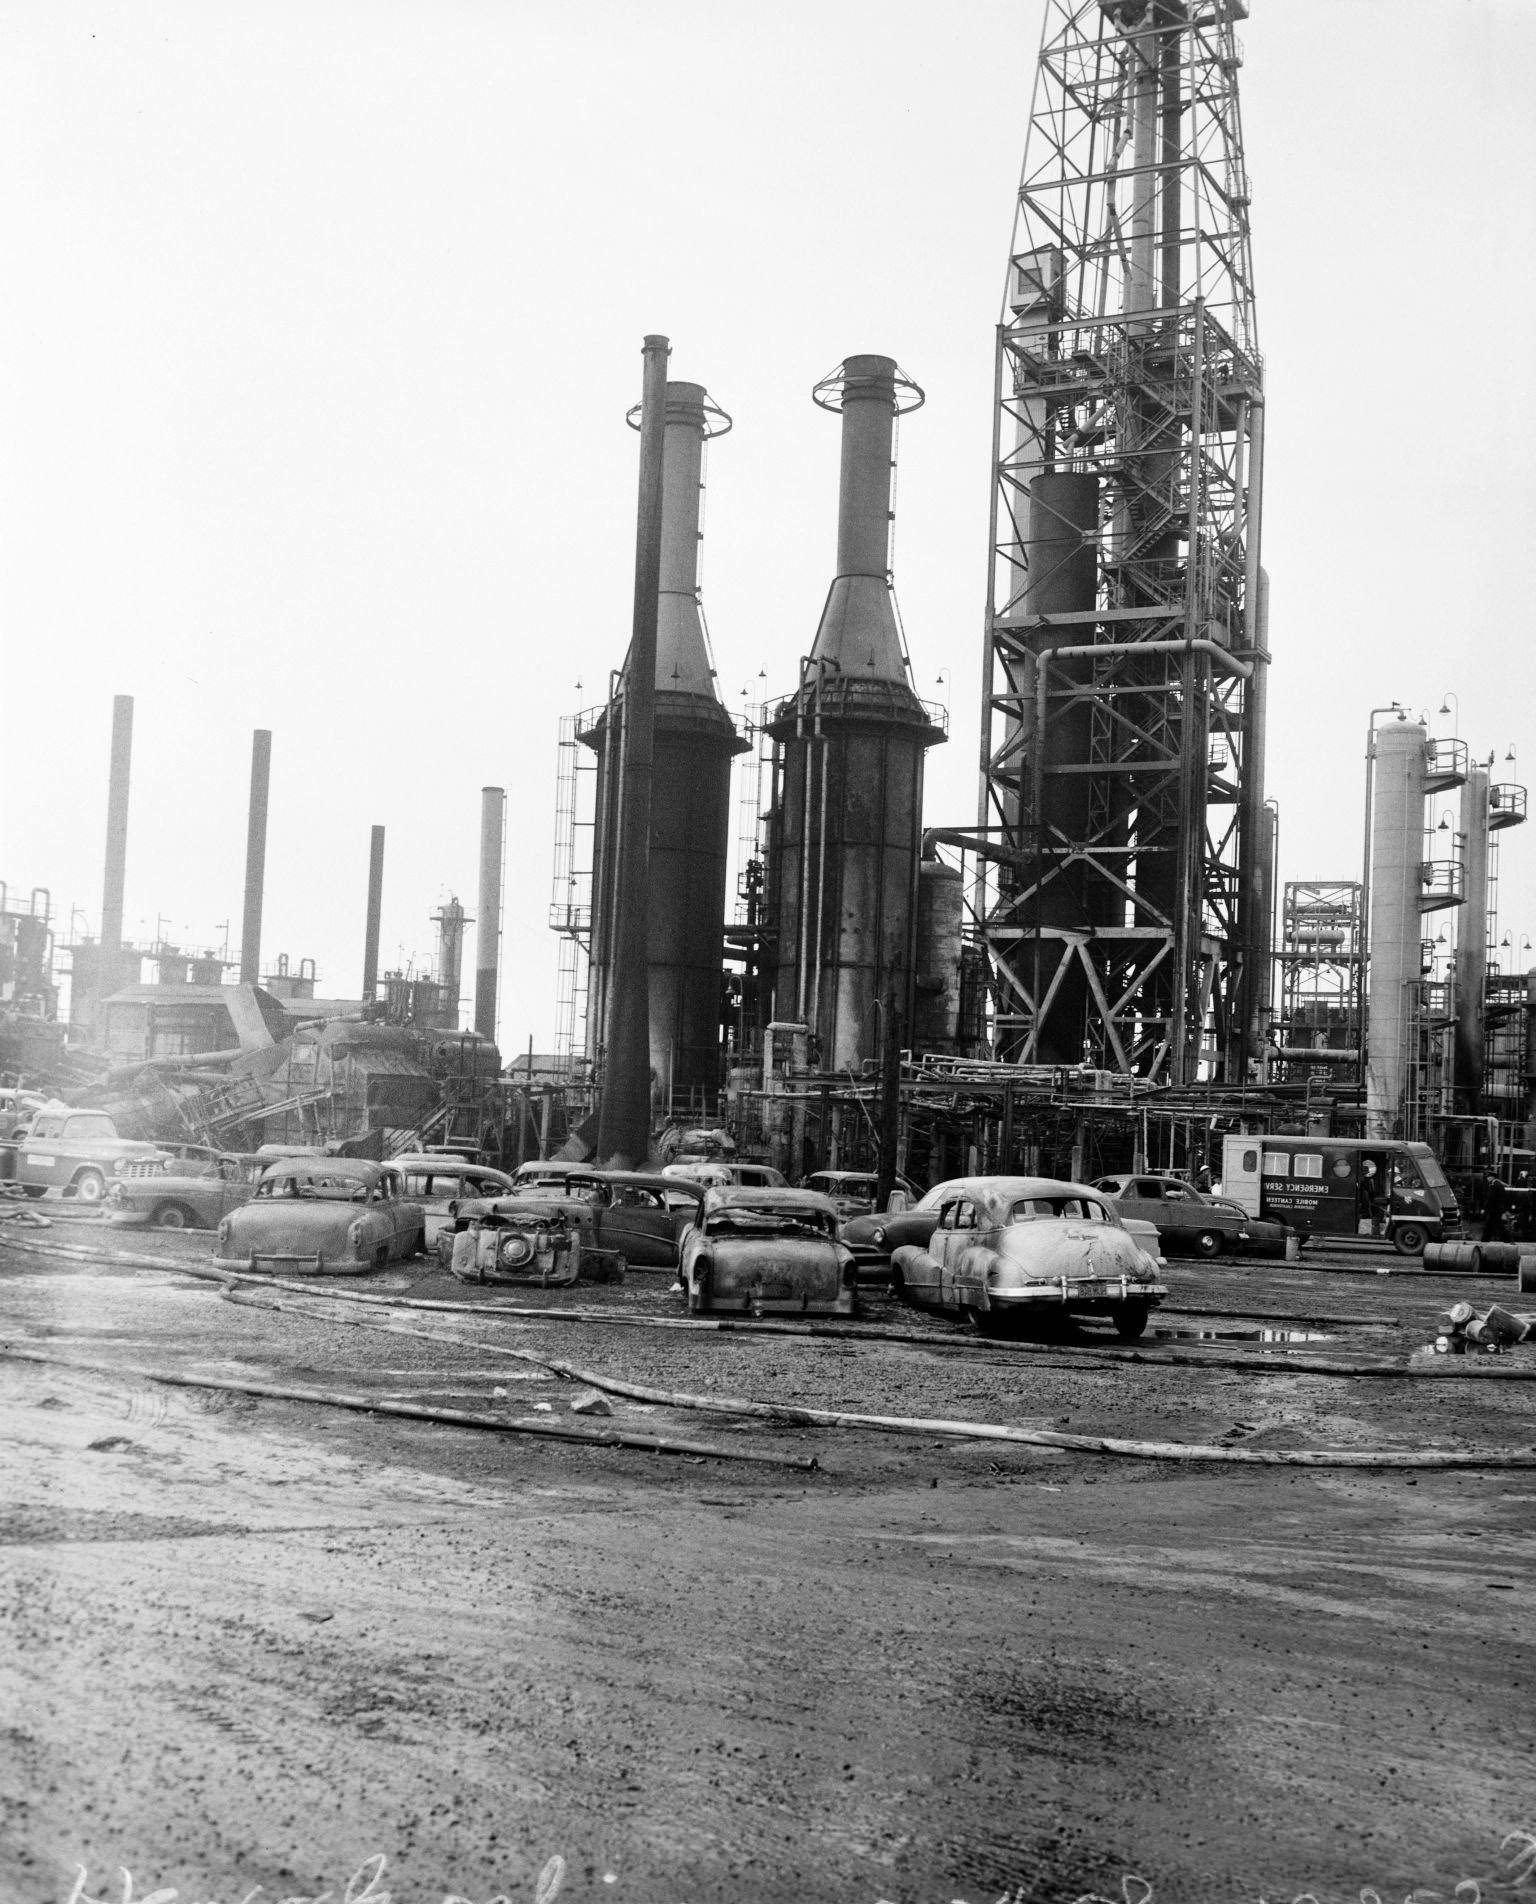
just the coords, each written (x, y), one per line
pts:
(440, 1182)
(192, 1192)
(767, 1252)
(323, 1216)
(1006, 1249)
(611, 1220)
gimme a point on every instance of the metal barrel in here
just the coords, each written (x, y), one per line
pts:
(1462, 1259)
(1525, 1273)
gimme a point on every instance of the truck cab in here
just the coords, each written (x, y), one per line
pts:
(78, 1153)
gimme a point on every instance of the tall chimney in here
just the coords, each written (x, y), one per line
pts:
(375, 914)
(117, 844)
(255, 857)
(493, 804)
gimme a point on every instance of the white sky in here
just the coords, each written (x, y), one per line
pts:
(320, 319)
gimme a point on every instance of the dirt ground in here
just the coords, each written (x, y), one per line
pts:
(251, 1644)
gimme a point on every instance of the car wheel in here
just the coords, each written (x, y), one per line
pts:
(381, 1256)
(1131, 1320)
(1208, 1243)
(1408, 1239)
(173, 1216)
(90, 1186)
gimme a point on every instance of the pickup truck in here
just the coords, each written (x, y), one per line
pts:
(77, 1153)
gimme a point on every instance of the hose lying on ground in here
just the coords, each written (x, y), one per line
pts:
(787, 1413)
(415, 1411)
(1083, 1355)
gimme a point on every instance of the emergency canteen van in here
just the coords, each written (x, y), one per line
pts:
(1343, 1186)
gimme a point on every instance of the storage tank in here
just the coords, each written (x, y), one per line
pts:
(847, 819)
(693, 744)
(1396, 886)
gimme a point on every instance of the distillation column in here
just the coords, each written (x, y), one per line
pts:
(1472, 944)
(847, 827)
(1396, 885)
(693, 743)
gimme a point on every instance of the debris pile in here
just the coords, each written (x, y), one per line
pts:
(1465, 1331)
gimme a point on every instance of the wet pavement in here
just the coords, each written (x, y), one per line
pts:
(255, 1642)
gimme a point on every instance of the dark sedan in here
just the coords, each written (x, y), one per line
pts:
(1188, 1221)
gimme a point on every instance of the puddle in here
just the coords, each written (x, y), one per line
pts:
(1240, 1335)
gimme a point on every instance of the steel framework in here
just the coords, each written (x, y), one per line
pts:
(1121, 894)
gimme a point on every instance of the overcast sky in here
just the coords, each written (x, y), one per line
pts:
(320, 322)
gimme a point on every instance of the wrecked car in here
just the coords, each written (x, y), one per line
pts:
(622, 1218)
(1007, 1249)
(767, 1252)
(852, 1191)
(440, 1182)
(323, 1216)
(186, 1193)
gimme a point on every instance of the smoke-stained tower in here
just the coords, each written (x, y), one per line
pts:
(848, 803)
(692, 746)
(1122, 798)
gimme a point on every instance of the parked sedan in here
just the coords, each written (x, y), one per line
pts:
(323, 1216)
(189, 1194)
(1008, 1248)
(874, 1235)
(1186, 1219)
(767, 1252)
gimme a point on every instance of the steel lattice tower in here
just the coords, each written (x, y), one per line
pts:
(1124, 894)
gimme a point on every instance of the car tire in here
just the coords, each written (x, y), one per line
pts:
(90, 1186)
(381, 1256)
(1208, 1243)
(1131, 1320)
(173, 1216)
(1408, 1239)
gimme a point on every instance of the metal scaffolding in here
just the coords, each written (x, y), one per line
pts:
(1122, 894)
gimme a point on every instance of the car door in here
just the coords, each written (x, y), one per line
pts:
(959, 1232)
(638, 1224)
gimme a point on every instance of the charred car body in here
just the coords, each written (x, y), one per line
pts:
(188, 1193)
(1006, 1249)
(323, 1216)
(567, 1221)
(767, 1252)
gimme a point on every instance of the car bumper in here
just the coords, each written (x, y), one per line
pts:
(1081, 1292)
(270, 1263)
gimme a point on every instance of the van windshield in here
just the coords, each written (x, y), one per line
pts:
(1431, 1172)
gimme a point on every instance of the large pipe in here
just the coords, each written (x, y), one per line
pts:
(117, 842)
(375, 914)
(255, 856)
(493, 805)
(624, 1117)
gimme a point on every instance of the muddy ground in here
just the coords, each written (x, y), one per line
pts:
(255, 1642)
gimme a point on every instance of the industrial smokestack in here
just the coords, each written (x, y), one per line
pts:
(493, 803)
(255, 857)
(375, 914)
(1397, 859)
(117, 842)
(848, 824)
(624, 1118)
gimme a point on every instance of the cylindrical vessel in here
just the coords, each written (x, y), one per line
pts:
(255, 856)
(847, 823)
(375, 914)
(693, 741)
(1472, 943)
(940, 918)
(493, 803)
(1397, 861)
(450, 959)
(117, 839)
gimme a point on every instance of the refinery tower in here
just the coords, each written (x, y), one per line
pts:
(1122, 834)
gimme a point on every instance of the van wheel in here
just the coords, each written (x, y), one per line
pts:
(1408, 1239)
(90, 1186)
(1208, 1243)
